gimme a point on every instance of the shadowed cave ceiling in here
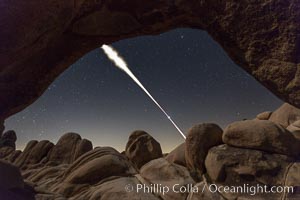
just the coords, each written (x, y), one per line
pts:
(39, 40)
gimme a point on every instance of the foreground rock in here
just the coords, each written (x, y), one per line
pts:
(261, 135)
(204, 194)
(199, 140)
(293, 179)
(10, 176)
(234, 166)
(12, 186)
(258, 152)
(93, 167)
(114, 189)
(177, 156)
(294, 128)
(285, 115)
(142, 148)
(162, 172)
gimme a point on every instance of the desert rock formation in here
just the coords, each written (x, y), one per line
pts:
(247, 152)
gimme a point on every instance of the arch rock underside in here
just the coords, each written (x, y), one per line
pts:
(40, 39)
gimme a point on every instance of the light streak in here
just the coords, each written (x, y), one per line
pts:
(113, 55)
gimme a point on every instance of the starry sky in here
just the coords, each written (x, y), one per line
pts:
(185, 70)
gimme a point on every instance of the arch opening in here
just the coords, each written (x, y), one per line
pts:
(185, 69)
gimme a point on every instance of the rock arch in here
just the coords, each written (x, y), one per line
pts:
(39, 40)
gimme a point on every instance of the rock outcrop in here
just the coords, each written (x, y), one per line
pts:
(68, 148)
(8, 139)
(264, 115)
(204, 194)
(42, 39)
(92, 168)
(142, 148)
(261, 135)
(167, 174)
(256, 153)
(114, 189)
(294, 128)
(285, 115)
(235, 167)
(177, 156)
(199, 140)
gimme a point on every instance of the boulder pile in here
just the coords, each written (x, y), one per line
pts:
(263, 151)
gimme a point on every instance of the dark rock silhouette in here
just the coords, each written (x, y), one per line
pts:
(8, 139)
(12, 186)
(10, 176)
(1, 127)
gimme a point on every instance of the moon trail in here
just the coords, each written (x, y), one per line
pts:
(113, 55)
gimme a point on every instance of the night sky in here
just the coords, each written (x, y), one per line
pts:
(185, 70)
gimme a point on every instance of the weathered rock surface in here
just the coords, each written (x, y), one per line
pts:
(68, 148)
(5, 152)
(33, 153)
(234, 166)
(294, 128)
(103, 173)
(199, 140)
(264, 115)
(92, 167)
(230, 165)
(142, 148)
(293, 179)
(38, 154)
(177, 156)
(42, 39)
(285, 115)
(114, 189)
(102, 162)
(261, 135)
(204, 194)
(21, 160)
(160, 171)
